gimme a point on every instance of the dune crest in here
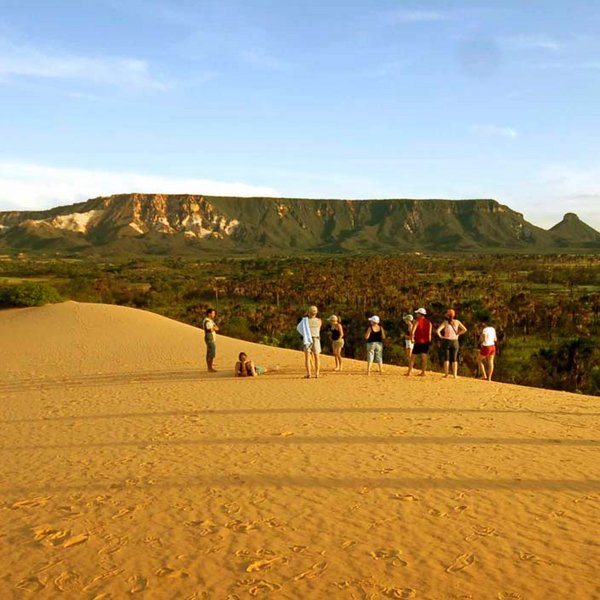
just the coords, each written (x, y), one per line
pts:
(127, 470)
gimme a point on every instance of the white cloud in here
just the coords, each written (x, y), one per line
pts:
(417, 16)
(531, 42)
(28, 186)
(494, 131)
(26, 61)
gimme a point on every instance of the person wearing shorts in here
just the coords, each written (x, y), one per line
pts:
(421, 337)
(374, 337)
(408, 343)
(449, 332)
(336, 333)
(312, 352)
(487, 351)
(210, 329)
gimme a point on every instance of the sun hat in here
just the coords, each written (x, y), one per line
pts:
(408, 317)
(421, 311)
(333, 318)
(374, 319)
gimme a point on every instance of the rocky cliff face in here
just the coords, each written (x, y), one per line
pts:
(137, 223)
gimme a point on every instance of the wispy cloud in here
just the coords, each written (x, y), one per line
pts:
(494, 131)
(18, 61)
(32, 186)
(416, 16)
(584, 65)
(531, 42)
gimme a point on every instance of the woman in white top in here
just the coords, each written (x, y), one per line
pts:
(312, 352)
(449, 332)
(487, 350)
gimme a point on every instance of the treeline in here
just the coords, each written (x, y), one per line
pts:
(546, 310)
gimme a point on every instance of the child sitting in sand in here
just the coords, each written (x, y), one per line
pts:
(244, 367)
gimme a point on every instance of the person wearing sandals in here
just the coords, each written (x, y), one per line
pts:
(310, 330)
(374, 337)
(449, 332)
(336, 333)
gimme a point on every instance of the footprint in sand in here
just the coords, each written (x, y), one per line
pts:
(509, 596)
(526, 556)
(66, 581)
(348, 544)
(393, 556)
(123, 512)
(400, 593)
(434, 512)
(240, 527)
(265, 564)
(461, 562)
(263, 587)
(315, 571)
(31, 584)
(459, 509)
(138, 584)
(481, 531)
(171, 573)
(299, 549)
(404, 497)
(76, 540)
(32, 502)
(49, 536)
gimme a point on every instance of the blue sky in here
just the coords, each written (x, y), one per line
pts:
(328, 99)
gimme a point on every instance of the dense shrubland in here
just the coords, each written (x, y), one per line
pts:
(546, 309)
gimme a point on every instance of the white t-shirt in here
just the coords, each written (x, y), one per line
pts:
(488, 336)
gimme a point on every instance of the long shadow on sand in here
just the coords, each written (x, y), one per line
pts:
(243, 412)
(275, 440)
(399, 485)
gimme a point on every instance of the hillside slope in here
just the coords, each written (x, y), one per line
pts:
(160, 224)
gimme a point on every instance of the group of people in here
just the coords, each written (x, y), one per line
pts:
(417, 341)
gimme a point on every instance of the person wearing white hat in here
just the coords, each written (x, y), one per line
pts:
(374, 337)
(421, 336)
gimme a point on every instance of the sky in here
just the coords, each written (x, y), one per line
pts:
(304, 99)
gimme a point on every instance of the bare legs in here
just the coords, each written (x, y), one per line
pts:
(481, 366)
(337, 355)
(311, 359)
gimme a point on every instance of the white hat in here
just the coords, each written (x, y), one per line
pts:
(421, 311)
(374, 319)
(333, 318)
(408, 318)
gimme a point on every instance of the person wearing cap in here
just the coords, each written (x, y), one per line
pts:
(310, 328)
(449, 332)
(336, 333)
(408, 343)
(420, 335)
(374, 336)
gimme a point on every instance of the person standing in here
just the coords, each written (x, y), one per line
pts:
(374, 337)
(210, 329)
(487, 350)
(408, 343)
(310, 330)
(449, 332)
(336, 332)
(421, 337)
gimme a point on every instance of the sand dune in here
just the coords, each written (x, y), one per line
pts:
(128, 471)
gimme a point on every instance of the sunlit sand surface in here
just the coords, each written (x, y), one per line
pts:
(129, 471)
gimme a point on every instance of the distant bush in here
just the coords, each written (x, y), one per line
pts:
(29, 293)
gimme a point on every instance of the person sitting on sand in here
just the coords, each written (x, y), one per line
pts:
(374, 336)
(487, 350)
(449, 332)
(244, 367)
(336, 333)
(421, 337)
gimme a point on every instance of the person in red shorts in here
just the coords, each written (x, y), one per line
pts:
(487, 351)
(421, 336)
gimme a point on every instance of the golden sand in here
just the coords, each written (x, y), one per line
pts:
(129, 471)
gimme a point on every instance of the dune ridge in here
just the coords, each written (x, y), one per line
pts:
(128, 471)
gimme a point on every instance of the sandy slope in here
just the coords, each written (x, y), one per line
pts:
(127, 471)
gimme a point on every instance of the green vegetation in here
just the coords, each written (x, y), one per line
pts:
(28, 293)
(546, 309)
